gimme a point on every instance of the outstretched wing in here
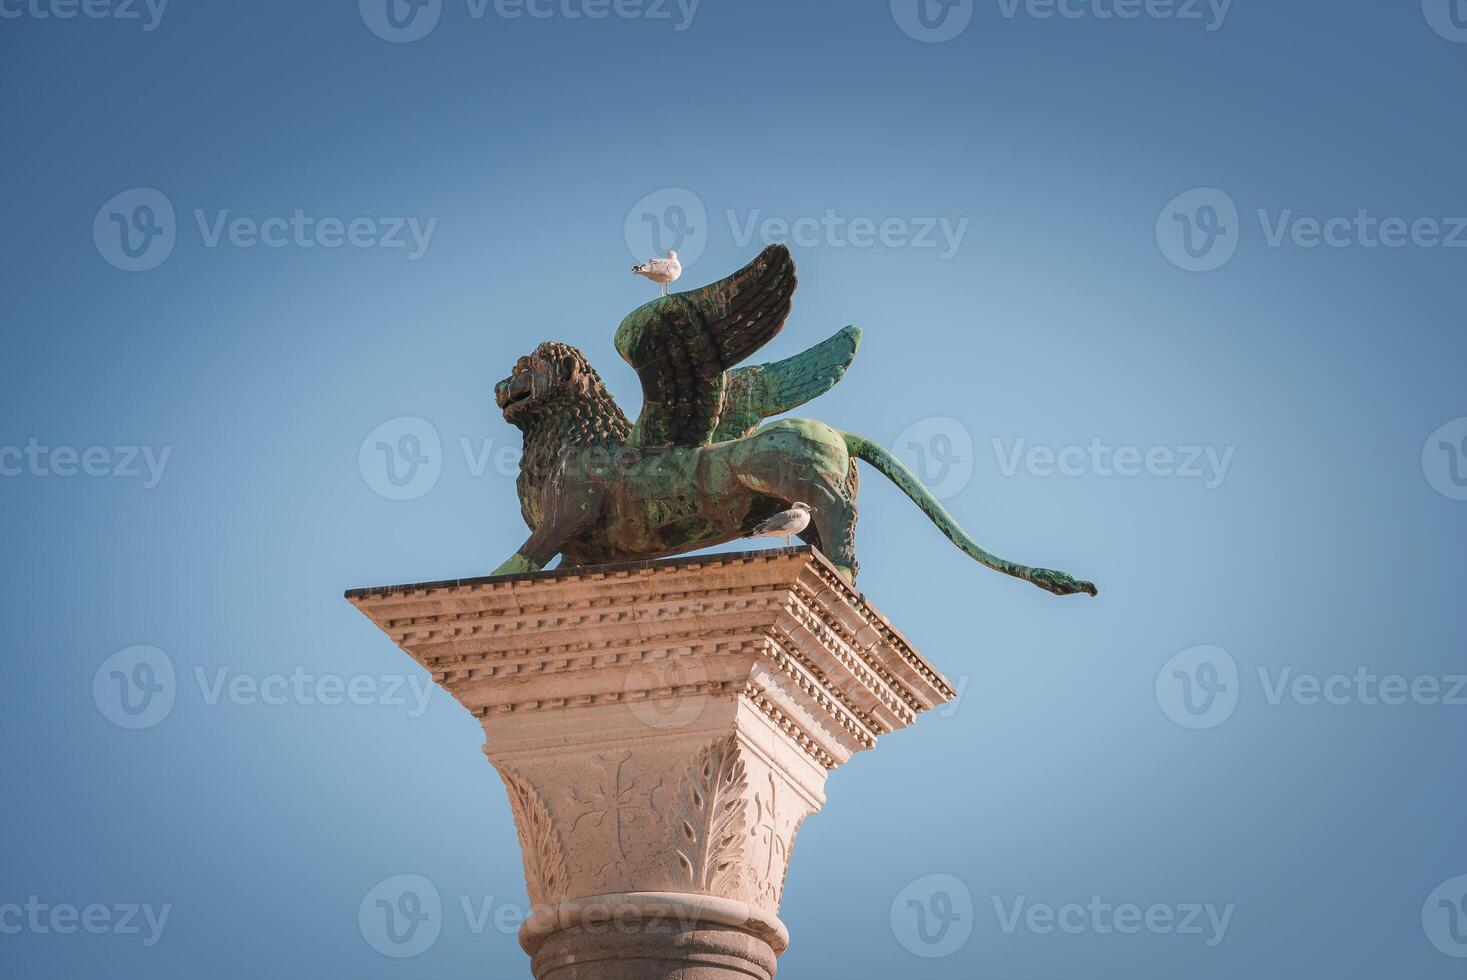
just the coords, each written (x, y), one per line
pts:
(760, 391)
(680, 345)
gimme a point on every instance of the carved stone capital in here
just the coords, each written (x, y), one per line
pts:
(662, 729)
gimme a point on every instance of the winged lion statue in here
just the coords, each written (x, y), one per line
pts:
(699, 467)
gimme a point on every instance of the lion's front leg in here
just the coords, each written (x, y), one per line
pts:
(516, 563)
(566, 513)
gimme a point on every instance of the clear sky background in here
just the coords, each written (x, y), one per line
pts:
(1106, 293)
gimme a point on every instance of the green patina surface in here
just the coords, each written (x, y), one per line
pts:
(699, 467)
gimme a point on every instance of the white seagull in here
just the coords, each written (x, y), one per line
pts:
(786, 524)
(661, 271)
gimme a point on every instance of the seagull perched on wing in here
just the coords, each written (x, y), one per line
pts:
(786, 524)
(661, 271)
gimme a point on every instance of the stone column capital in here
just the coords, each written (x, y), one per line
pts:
(662, 729)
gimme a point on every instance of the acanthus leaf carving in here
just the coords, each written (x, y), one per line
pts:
(546, 878)
(706, 822)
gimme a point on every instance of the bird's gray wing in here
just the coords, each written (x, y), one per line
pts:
(681, 344)
(780, 523)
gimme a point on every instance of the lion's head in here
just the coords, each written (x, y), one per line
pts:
(555, 383)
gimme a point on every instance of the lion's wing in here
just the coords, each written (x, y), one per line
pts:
(681, 345)
(762, 391)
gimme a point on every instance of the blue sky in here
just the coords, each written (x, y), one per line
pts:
(1165, 294)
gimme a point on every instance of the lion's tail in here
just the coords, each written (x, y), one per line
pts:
(894, 470)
